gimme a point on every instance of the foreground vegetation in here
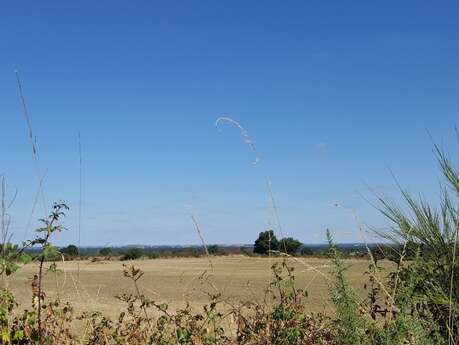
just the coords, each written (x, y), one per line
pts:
(417, 303)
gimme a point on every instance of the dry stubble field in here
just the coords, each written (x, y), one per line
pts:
(175, 281)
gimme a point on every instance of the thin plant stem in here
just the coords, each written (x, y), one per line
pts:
(451, 285)
(32, 138)
(79, 203)
(202, 241)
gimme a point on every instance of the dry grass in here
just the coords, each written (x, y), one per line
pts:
(176, 281)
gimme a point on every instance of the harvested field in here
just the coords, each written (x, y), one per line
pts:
(176, 281)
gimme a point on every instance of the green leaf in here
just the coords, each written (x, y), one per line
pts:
(6, 339)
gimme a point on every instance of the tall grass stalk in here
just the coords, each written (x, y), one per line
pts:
(5, 217)
(5, 227)
(251, 144)
(80, 200)
(32, 140)
(397, 276)
(34, 207)
(198, 230)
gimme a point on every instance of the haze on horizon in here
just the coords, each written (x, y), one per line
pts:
(338, 98)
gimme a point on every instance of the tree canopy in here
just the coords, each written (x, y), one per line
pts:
(265, 242)
(70, 250)
(289, 245)
(107, 251)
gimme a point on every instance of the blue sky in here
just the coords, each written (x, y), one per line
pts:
(335, 95)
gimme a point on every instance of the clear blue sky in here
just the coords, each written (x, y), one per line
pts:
(336, 95)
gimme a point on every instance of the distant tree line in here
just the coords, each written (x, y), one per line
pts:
(71, 252)
(267, 243)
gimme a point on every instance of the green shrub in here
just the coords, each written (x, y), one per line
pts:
(430, 284)
(70, 251)
(107, 251)
(133, 254)
(351, 325)
(152, 254)
(306, 251)
(213, 249)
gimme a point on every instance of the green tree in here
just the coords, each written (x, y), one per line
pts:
(133, 254)
(213, 249)
(107, 251)
(289, 245)
(265, 242)
(71, 250)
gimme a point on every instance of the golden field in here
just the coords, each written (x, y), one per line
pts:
(180, 280)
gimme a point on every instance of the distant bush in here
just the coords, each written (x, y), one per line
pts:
(306, 251)
(152, 254)
(107, 251)
(213, 249)
(70, 251)
(194, 252)
(133, 254)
